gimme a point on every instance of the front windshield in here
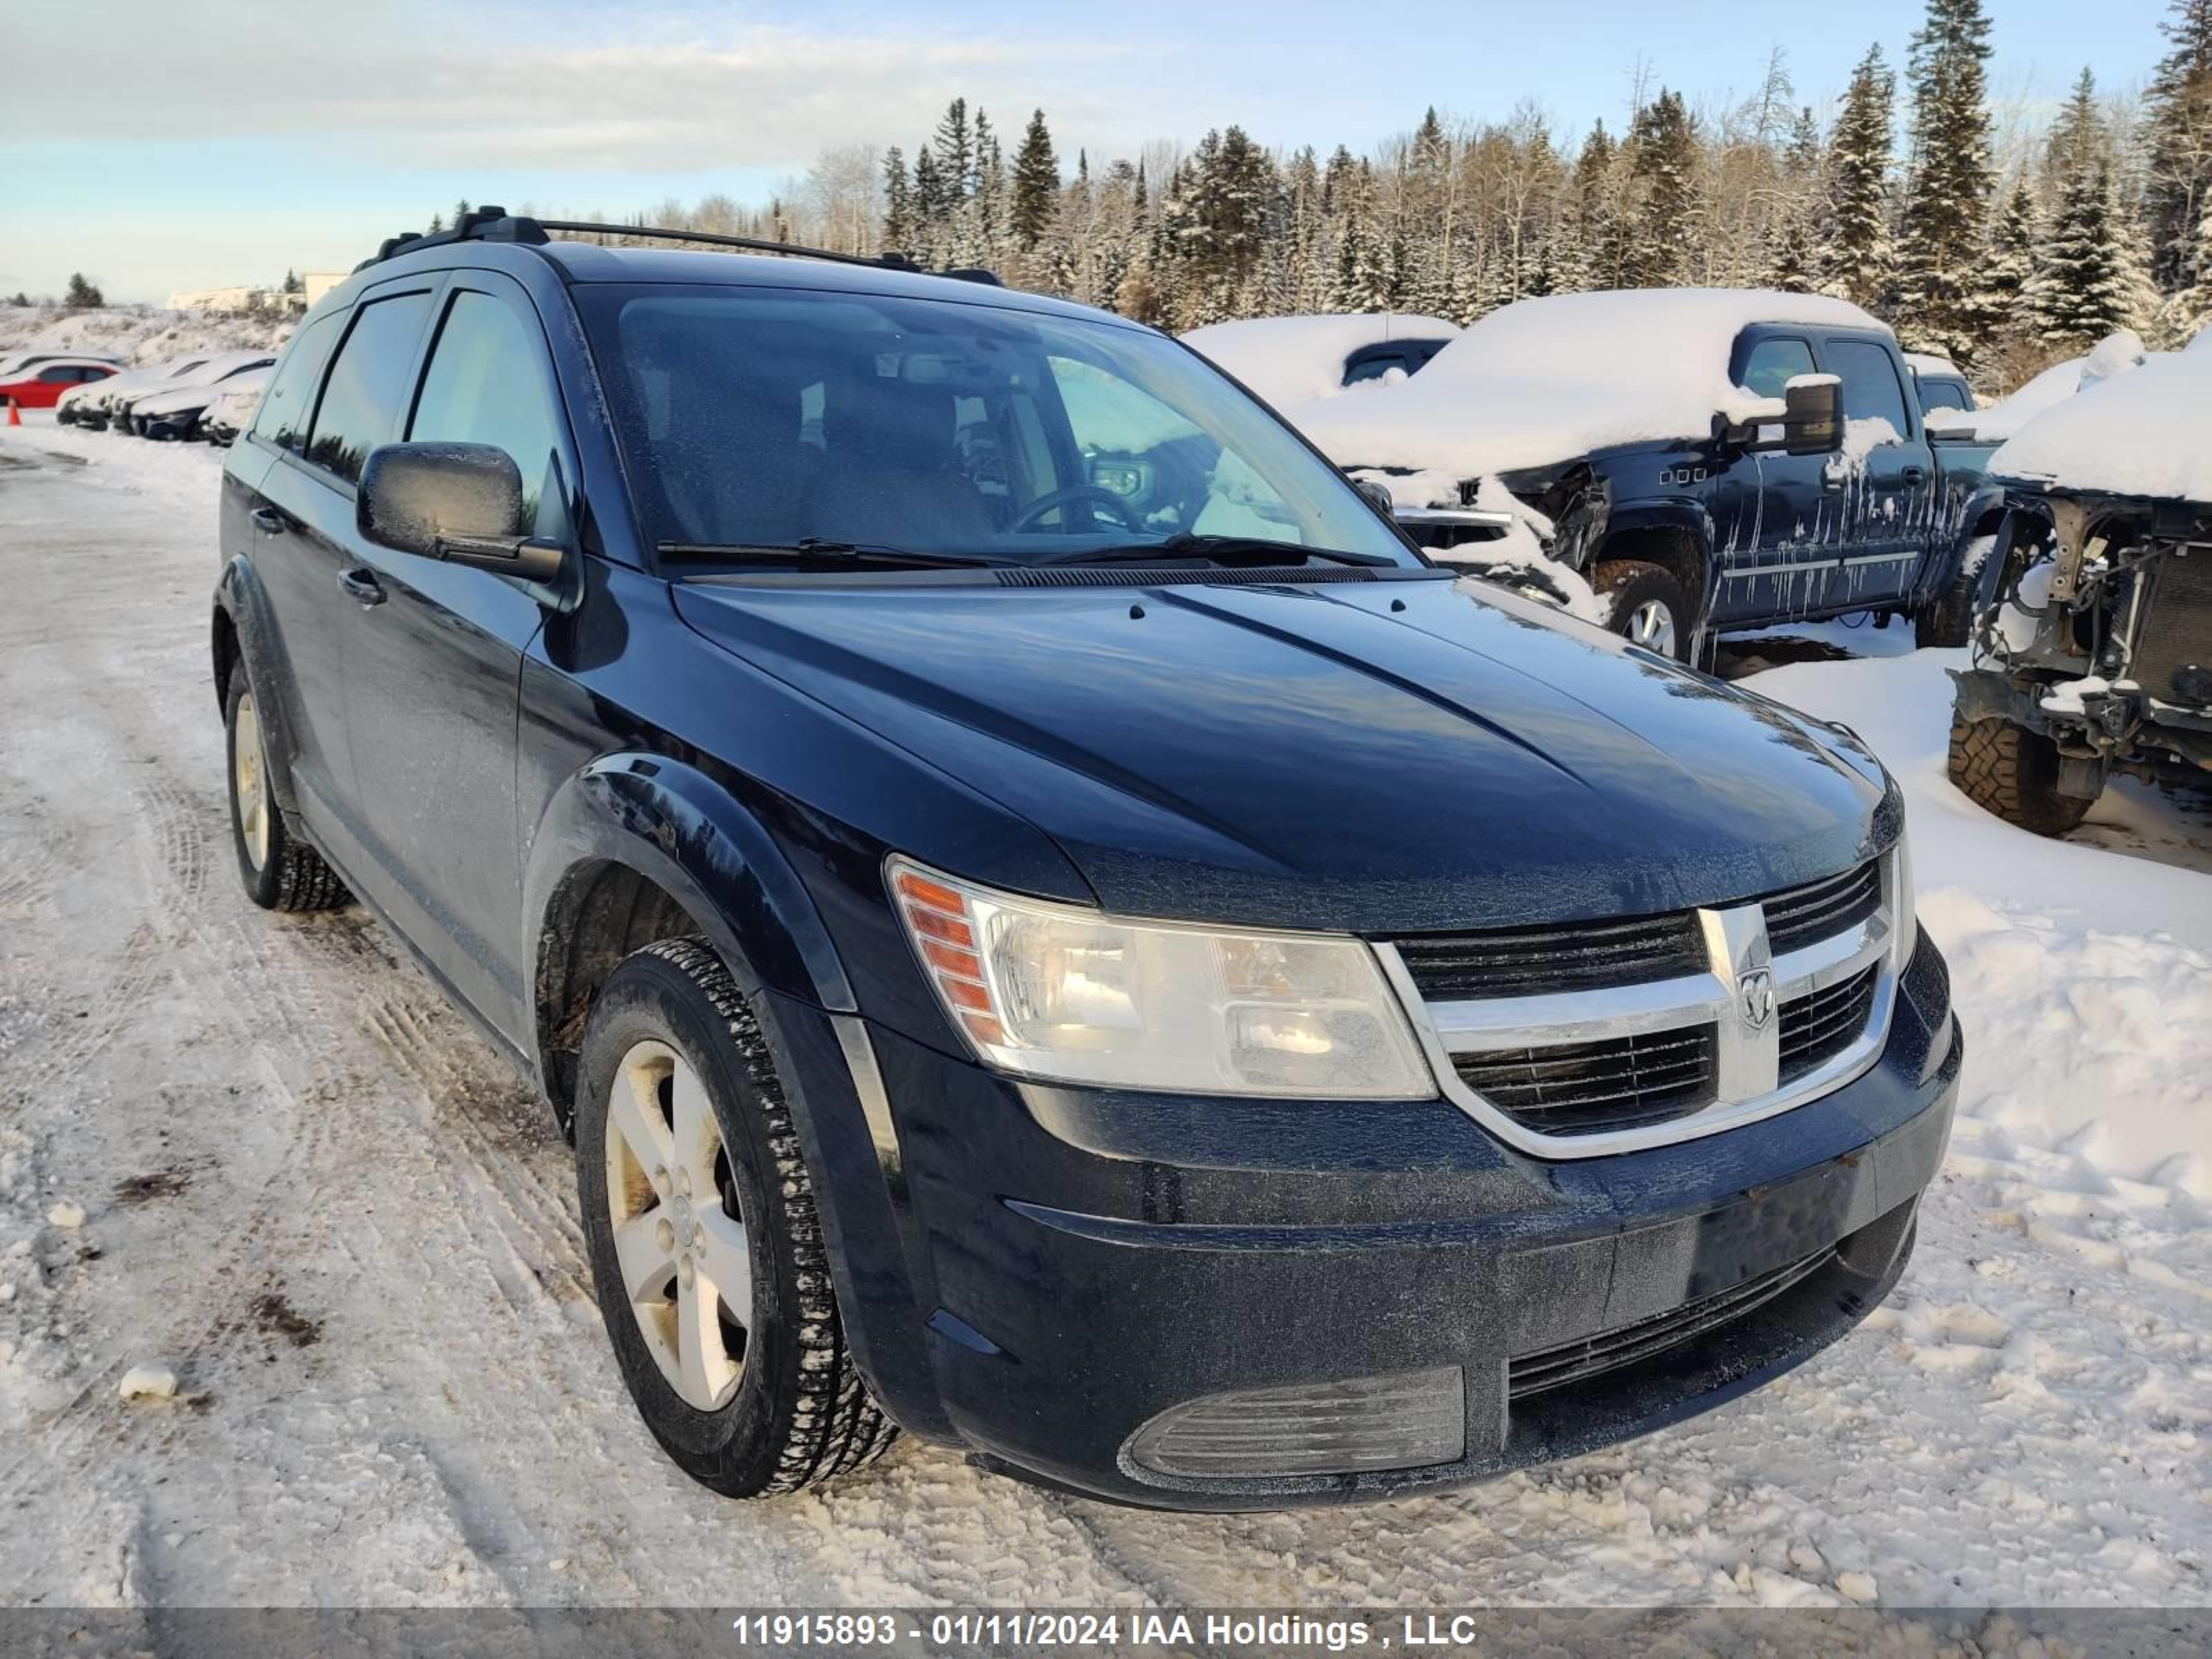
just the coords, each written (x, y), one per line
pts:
(765, 417)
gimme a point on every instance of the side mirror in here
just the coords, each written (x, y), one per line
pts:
(459, 502)
(1378, 496)
(1805, 420)
(1812, 418)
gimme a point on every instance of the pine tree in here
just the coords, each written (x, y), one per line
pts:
(932, 203)
(2190, 312)
(1939, 246)
(2015, 249)
(83, 293)
(955, 147)
(2177, 187)
(1667, 204)
(2090, 283)
(898, 202)
(1855, 254)
(1036, 183)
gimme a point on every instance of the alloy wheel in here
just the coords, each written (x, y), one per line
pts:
(251, 782)
(686, 1265)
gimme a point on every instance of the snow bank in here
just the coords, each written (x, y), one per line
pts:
(138, 335)
(2141, 432)
(1544, 381)
(1296, 360)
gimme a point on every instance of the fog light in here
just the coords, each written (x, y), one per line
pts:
(1408, 1421)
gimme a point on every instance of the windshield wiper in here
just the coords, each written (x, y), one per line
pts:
(1220, 550)
(811, 551)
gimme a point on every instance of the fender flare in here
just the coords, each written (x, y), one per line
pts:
(242, 602)
(1679, 514)
(680, 829)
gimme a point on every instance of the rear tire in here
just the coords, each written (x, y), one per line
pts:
(2012, 772)
(281, 871)
(751, 1390)
(1648, 605)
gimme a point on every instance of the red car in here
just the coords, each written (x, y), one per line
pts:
(41, 387)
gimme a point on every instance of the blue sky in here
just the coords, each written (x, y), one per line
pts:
(159, 145)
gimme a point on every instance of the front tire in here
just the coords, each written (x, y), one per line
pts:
(2012, 772)
(713, 1276)
(281, 872)
(1948, 621)
(1648, 605)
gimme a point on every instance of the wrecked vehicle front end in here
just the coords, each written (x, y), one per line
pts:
(2093, 646)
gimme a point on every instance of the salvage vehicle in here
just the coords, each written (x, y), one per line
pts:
(2092, 650)
(1640, 436)
(172, 409)
(41, 386)
(232, 409)
(87, 405)
(1153, 984)
(1288, 360)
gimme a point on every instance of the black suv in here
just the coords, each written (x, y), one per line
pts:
(1050, 924)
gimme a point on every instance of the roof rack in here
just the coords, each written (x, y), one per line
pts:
(496, 224)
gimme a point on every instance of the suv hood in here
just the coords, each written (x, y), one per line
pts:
(1314, 756)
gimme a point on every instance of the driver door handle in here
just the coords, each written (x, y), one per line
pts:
(268, 519)
(1915, 475)
(359, 583)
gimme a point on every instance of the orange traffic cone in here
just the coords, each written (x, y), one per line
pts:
(15, 415)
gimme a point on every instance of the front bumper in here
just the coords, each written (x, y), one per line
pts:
(1082, 1262)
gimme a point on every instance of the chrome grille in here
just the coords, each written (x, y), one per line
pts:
(1526, 961)
(1581, 1088)
(1804, 915)
(1820, 1025)
(1582, 1039)
(1609, 1351)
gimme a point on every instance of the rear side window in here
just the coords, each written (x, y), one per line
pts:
(1373, 366)
(291, 399)
(484, 386)
(1774, 363)
(1870, 387)
(1940, 393)
(368, 380)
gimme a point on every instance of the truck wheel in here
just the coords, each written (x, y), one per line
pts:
(1648, 605)
(281, 871)
(1948, 619)
(2012, 772)
(712, 1276)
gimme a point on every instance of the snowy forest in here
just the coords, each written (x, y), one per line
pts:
(2005, 250)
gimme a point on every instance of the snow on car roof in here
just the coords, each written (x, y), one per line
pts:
(2145, 432)
(1544, 381)
(1295, 360)
(2116, 353)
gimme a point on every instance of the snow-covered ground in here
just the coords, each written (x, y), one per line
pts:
(311, 1192)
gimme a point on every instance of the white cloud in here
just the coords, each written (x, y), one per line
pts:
(412, 85)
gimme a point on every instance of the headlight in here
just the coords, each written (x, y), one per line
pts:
(1059, 992)
(1904, 918)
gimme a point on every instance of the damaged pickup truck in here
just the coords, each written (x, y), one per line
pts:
(2093, 655)
(1631, 454)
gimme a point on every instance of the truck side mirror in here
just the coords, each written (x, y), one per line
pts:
(459, 502)
(1813, 423)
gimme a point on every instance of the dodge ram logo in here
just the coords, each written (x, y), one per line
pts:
(1754, 997)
